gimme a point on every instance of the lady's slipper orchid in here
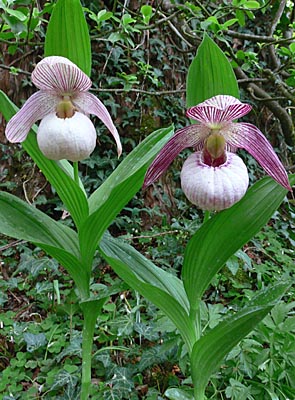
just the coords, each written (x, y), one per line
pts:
(63, 103)
(214, 178)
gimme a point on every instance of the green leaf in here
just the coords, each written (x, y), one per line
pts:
(227, 232)
(178, 394)
(23, 221)
(91, 308)
(67, 34)
(251, 5)
(152, 285)
(241, 17)
(147, 13)
(34, 341)
(209, 351)
(17, 14)
(229, 23)
(73, 265)
(210, 74)
(109, 199)
(145, 269)
(60, 174)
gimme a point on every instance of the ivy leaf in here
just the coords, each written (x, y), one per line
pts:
(34, 341)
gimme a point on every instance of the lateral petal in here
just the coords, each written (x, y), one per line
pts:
(190, 136)
(218, 109)
(59, 75)
(36, 107)
(90, 104)
(248, 137)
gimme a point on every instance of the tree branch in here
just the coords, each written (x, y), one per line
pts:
(279, 112)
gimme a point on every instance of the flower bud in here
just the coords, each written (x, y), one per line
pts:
(214, 188)
(66, 138)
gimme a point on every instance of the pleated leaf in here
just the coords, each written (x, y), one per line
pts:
(225, 233)
(210, 74)
(23, 221)
(152, 285)
(73, 265)
(117, 190)
(209, 352)
(145, 269)
(67, 34)
(59, 174)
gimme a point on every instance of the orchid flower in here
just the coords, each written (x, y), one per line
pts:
(214, 177)
(63, 104)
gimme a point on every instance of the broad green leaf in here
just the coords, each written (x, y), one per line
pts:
(270, 295)
(145, 269)
(59, 174)
(227, 232)
(91, 309)
(125, 267)
(109, 199)
(73, 265)
(209, 351)
(210, 74)
(67, 34)
(23, 221)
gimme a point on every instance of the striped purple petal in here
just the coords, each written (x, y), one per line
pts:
(248, 137)
(59, 75)
(218, 109)
(89, 104)
(190, 136)
(35, 108)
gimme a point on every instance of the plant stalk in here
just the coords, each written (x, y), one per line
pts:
(195, 316)
(87, 343)
(199, 393)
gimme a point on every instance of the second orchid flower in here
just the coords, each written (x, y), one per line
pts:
(214, 177)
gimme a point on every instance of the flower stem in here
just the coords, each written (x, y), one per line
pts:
(91, 310)
(87, 342)
(206, 216)
(76, 172)
(199, 393)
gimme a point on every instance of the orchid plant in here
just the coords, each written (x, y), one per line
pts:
(65, 132)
